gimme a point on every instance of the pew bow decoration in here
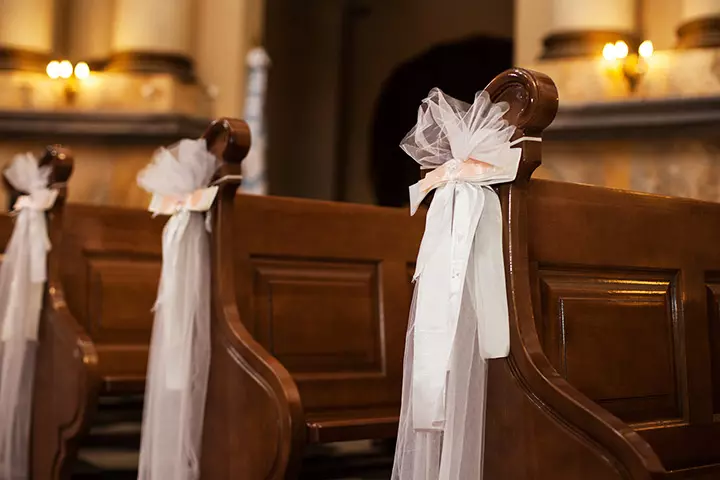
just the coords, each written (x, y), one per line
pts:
(22, 281)
(459, 317)
(180, 348)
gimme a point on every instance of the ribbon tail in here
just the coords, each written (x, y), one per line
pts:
(416, 197)
(486, 281)
(169, 304)
(39, 246)
(442, 263)
(21, 303)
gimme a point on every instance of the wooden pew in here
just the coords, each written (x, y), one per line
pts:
(91, 364)
(310, 307)
(614, 365)
(614, 371)
(70, 350)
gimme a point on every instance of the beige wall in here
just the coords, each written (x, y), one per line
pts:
(533, 20)
(104, 174)
(226, 30)
(659, 20)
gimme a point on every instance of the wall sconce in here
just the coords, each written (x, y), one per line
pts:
(70, 75)
(634, 64)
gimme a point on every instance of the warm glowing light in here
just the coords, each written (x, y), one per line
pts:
(621, 49)
(53, 69)
(66, 69)
(646, 49)
(609, 52)
(82, 70)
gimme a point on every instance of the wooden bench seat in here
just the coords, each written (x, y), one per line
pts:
(347, 425)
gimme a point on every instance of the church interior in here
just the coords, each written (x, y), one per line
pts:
(614, 298)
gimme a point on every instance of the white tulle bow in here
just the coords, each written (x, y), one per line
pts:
(179, 352)
(22, 280)
(460, 277)
(30, 241)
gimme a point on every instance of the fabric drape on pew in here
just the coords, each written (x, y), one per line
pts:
(180, 348)
(459, 317)
(22, 282)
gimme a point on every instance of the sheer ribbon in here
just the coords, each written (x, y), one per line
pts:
(180, 348)
(459, 316)
(22, 281)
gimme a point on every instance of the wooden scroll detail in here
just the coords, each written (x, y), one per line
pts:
(254, 423)
(66, 380)
(540, 426)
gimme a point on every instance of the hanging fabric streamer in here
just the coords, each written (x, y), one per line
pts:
(180, 348)
(459, 317)
(22, 282)
(253, 167)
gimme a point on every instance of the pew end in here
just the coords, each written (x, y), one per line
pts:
(64, 348)
(250, 394)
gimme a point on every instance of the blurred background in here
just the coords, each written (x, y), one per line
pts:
(330, 87)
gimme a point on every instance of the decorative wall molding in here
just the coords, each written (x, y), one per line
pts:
(136, 128)
(633, 118)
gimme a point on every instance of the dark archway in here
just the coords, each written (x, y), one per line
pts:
(460, 69)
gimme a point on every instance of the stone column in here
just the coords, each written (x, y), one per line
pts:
(153, 36)
(90, 32)
(26, 34)
(700, 24)
(583, 27)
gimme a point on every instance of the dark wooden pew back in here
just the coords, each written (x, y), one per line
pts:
(626, 309)
(326, 289)
(612, 311)
(110, 268)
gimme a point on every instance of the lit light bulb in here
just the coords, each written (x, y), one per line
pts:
(646, 49)
(82, 70)
(53, 69)
(65, 69)
(621, 49)
(609, 52)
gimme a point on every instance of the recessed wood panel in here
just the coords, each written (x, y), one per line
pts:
(614, 336)
(320, 317)
(121, 295)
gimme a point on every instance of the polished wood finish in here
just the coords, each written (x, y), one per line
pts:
(310, 304)
(612, 295)
(58, 410)
(104, 268)
(611, 372)
(111, 267)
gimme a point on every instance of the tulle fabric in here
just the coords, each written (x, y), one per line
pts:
(180, 348)
(459, 318)
(22, 283)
